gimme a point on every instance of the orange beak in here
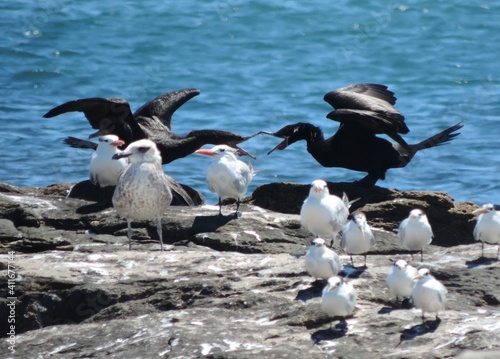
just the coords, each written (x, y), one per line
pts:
(205, 152)
(118, 143)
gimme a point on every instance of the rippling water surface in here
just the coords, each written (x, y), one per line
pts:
(260, 65)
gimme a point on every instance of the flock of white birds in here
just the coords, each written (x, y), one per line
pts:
(325, 215)
(143, 191)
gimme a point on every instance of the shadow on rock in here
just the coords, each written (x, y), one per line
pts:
(429, 326)
(349, 271)
(210, 223)
(314, 291)
(335, 332)
(481, 261)
(405, 304)
(94, 207)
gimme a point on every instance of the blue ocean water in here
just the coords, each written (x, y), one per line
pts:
(260, 65)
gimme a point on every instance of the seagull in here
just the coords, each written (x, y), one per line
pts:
(428, 294)
(338, 299)
(227, 175)
(415, 232)
(323, 214)
(357, 236)
(487, 229)
(364, 111)
(151, 121)
(104, 171)
(400, 279)
(143, 191)
(321, 262)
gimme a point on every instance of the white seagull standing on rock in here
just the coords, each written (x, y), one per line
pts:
(320, 261)
(104, 171)
(338, 299)
(415, 232)
(357, 236)
(487, 229)
(227, 175)
(400, 279)
(428, 294)
(143, 189)
(323, 214)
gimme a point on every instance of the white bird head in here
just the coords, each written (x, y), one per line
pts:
(109, 142)
(141, 151)
(423, 273)
(417, 214)
(318, 242)
(401, 264)
(359, 218)
(319, 189)
(486, 208)
(333, 283)
(219, 151)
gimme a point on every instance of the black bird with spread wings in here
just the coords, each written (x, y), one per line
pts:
(364, 111)
(151, 121)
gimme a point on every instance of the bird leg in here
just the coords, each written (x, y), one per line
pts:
(422, 255)
(237, 207)
(220, 206)
(129, 234)
(160, 232)
(352, 260)
(365, 259)
(482, 249)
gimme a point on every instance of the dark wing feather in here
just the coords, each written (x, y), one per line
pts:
(95, 109)
(374, 122)
(78, 143)
(369, 107)
(165, 105)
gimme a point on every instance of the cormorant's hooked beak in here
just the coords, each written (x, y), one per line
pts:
(281, 146)
(241, 152)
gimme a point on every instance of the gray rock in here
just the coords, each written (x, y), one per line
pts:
(232, 288)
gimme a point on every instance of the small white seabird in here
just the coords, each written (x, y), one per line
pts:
(323, 214)
(143, 189)
(227, 175)
(321, 262)
(487, 229)
(415, 232)
(338, 299)
(428, 293)
(400, 279)
(104, 171)
(357, 236)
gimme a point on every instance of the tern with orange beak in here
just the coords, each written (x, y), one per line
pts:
(487, 229)
(357, 236)
(338, 299)
(415, 232)
(227, 175)
(323, 214)
(104, 171)
(320, 261)
(428, 293)
(400, 279)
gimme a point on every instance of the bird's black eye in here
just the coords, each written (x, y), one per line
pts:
(222, 149)
(143, 149)
(312, 243)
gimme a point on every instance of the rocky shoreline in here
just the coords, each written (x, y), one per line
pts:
(232, 288)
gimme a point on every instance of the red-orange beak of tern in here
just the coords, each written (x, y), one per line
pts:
(118, 143)
(206, 152)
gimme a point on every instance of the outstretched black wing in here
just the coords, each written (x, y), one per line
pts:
(165, 105)
(78, 143)
(368, 107)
